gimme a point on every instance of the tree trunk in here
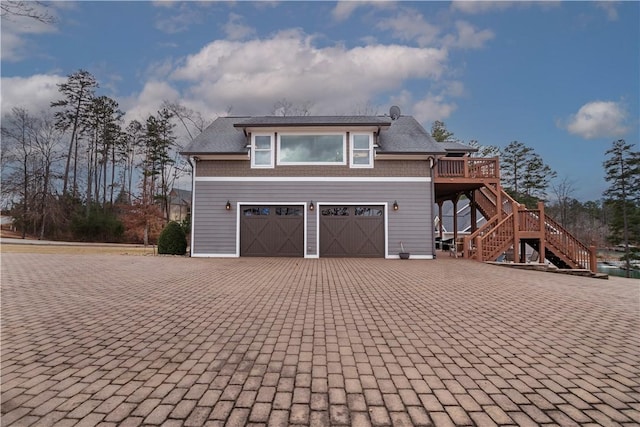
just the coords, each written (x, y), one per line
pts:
(113, 171)
(43, 206)
(25, 201)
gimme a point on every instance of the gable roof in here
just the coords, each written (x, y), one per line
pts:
(226, 135)
(288, 121)
(457, 147)
(179, 196)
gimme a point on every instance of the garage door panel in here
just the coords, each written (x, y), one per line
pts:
(352, 231)
(272, 231)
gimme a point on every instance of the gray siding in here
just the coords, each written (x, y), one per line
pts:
(215, 228)
(381, 168)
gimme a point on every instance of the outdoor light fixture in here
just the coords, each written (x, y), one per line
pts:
(311, 206)
(395, 205)
(228, 206)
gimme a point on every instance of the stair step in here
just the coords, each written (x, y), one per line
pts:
(551, 269)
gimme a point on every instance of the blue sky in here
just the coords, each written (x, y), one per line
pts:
(560, 77)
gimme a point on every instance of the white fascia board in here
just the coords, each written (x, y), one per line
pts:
(313, 179)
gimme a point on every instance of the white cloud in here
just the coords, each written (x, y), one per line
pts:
(610, 8)
(149, 100)
(236, 29)
(345, 8)
(177, 21)
(410, 25)
(468, 37)
(598, 119)
(431, 107)
(481, 6)
(15, 31)
(252, 75)
(34, 93)
(473, 7)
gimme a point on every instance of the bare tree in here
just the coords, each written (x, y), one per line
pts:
(365, 109)
(47, 141)
(28, 9)
(17, 134)
(285, 108)
(191, 120)
(563, 191)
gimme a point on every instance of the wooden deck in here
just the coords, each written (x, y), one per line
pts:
(509, 225)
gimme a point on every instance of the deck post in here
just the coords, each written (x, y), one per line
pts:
(499, 202)
(516, 231)
(474, 213)
(543, 232)
(593, 262)
(455, 218)
(440, 222)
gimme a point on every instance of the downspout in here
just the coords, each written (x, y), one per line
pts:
(192, 162)
(432, 163)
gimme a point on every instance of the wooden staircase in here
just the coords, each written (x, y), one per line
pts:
(511, 225)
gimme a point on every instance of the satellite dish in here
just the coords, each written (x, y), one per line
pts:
(394, 112)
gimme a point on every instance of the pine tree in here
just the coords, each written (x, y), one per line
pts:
(78, 92)
(622, 171)
(524, 174)
(440, 133)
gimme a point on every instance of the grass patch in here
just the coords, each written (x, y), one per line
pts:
(78, 249)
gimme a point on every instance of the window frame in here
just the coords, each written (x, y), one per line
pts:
(353, 150)
(254, 149)
(285, 163)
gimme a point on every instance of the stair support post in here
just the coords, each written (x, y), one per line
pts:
(474, 214)
(440, 222)
(593, 262)
(543, 231)
(455, 219)
(499, 202)
(516, 231)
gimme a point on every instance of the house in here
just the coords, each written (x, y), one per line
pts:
(179, 204)
(313, 186)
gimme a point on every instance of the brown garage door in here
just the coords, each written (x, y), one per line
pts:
(352, 231)
(272, 231)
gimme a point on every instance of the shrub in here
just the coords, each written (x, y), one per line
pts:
(97, 225)
(173, 240)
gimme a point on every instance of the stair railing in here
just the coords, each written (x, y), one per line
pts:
(561, 240)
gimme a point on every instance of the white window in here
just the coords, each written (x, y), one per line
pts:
(312, 149)
(361, 150)
(262, 150)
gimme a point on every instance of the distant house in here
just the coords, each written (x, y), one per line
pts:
(313, 186)
(464, 219)
(179, 204)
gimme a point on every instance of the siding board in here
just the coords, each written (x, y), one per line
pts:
(216, 228)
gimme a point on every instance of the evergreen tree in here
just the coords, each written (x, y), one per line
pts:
(622, 171)
(524, 174)
(78, 93)
(440, 133)
(160, 140)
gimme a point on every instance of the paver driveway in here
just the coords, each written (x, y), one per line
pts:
(132, 340)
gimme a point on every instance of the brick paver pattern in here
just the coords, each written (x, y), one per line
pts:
(132, 340)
